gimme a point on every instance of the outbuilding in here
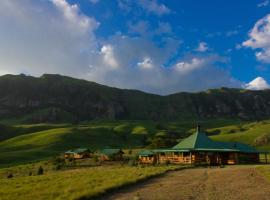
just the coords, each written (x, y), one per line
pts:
(111, 154)
(78, 153)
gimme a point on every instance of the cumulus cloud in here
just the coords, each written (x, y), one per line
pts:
(152, 6)
(259, 38)
(146, 63)
(258, 83)
(149, 6)
(56, 37)
(45, 37)
(144, 29)
(141, 66)
(109, 59)
(202, 47)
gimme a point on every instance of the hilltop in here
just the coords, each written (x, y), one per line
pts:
(56, 98)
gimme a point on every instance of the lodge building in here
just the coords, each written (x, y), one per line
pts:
(200, 149)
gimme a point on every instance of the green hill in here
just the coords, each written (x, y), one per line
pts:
(48, 140)
(256, 134)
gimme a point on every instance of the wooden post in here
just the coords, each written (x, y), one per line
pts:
(190, 157)
(265, 158)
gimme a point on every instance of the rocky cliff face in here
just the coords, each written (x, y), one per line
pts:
(55, 98)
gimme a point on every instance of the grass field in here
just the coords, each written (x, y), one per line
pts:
(255, 133)
(27, 143)
(73, 184)
(265, 171)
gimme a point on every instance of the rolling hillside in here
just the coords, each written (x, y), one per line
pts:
(51, 140)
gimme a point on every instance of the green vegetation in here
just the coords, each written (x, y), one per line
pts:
(75, 184)
(40, 141)
(62, 99)
(256, 134)
(265, 171)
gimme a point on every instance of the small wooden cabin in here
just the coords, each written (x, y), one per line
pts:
(147, 157)
(78, 153)
(200, 149)
(111, 154)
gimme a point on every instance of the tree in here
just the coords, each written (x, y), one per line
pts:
(122, 131)
(40, 171)
(141, 132)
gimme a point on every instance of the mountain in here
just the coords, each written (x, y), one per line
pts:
(56, 98)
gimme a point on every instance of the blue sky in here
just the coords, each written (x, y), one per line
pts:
(156, 46)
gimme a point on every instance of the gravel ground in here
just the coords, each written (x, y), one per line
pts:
(229, 183)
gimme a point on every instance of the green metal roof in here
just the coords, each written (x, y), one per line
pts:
(79, 150)
(200, 142)
(110, 152)
(170, 150)
(146, 153)
(241, 147)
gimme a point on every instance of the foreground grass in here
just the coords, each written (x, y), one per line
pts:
(265, 171)
(77, 183)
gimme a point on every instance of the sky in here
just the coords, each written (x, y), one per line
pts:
(157, 46)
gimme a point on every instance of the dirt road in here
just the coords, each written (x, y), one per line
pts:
(230, 183)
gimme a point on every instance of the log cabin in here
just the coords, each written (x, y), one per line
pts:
(147, 157)
(78, 153)
(200, 149)
(111, 154)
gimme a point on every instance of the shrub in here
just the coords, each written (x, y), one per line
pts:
(10, 175)
(132, 162)
(58, 167)
(40, 171)
(130, 151)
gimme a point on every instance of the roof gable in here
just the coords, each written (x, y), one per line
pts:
(110, 152)
(198, 140)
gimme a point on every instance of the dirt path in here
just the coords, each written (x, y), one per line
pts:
(230, 183)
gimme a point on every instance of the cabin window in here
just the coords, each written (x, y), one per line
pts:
(186, 154)
(163, 154)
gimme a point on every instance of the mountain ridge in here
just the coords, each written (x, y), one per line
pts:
(57, 98)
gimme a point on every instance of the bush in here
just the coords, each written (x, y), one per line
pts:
(58, 167)
(30, 174)
(132, 162)
(58, 160)
(130, 151)
(10, 175)
(40, 171)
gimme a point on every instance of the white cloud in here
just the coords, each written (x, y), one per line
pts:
(45, 37)
(191, 65)
(56, 37)
(259, 38)
(258, 83)
(263, 4)
(152, 6)
(141, 67)
(144, 29)
(147, 63)
(202, 47)
(107, 52)
(72, 14)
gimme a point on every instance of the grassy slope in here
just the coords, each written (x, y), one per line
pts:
(248, 133)
(74, 184)
(50, 140)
